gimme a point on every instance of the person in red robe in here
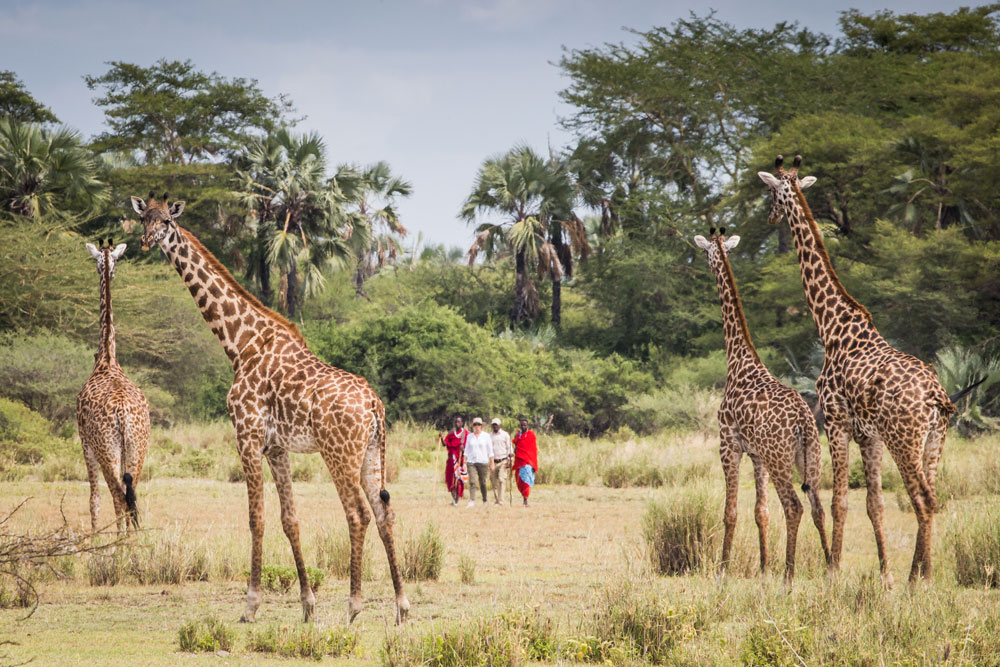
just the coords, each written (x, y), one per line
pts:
(525, 459)
(454, 467)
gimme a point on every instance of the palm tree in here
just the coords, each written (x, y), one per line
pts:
(44, 172)
(534, 198)
(297, 213)
(374, 230)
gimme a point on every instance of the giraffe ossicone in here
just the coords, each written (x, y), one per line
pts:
(284, 400)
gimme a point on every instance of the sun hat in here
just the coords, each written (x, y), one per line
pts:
(496, 420)
(477, 420)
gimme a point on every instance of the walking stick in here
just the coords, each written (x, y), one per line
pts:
(510, 475)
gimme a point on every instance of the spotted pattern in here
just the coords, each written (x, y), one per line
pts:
(869, 390)
(284, 400)
(112, 414)
(764, 419)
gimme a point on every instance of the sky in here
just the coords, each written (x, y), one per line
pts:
(431, 86)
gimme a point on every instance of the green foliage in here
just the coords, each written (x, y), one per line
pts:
(45, 371)
(675, 407)
(959, 368)
(207, 634)
(304, 641)
(17, 103)
(27, 437)
(422, 556)
(171, 112)
(678, 533)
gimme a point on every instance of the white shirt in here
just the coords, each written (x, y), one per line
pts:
(501, 444)
(479, 448)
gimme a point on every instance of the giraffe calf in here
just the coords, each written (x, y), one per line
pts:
(764, 419)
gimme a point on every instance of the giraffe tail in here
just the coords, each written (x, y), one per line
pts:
(809, 441)
(380, 435)
(130, 502)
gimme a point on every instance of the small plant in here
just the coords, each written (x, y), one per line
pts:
(305, 641)
(482, 641)
(333, 554)
(16, 587)
(107, 569)
(423, 555)
(678, 533)
(207, 634)
(277, 578)
(467, 569)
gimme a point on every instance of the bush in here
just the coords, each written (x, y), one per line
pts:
(675, 408)
(26, 437)
(44, 371)
(678, 531)
(207, 634)
(423, 555)
(975, 541)
(306, 641)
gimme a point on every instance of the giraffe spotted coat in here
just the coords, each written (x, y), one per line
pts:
(112, 414)
(869, 390)
(764, 419)
(283, 401)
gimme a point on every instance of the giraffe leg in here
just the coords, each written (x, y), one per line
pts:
(820, 521)
(911, 469)
(871, 456)
(792, 506)
(93, 476)
(838, 437)
(371, 480)
(358, 518)
(282, 472)
(112, 479)
(761, 513)
(731, 456)
(933, 444)
(250, 457)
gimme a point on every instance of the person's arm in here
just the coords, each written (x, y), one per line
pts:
(489, 451)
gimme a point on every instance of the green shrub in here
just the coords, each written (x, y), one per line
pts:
(675, 408)
(64, 469)
(423, 555)
(207, 634)
(500, 640)
(467, 569)
(974, 540)
(44, 371)
(304, 641)
(678, 531)
(26, 437)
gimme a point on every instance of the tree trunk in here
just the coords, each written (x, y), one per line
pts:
(520, 289)
(291, 295)
(263, 269)
(359, 281)
(557, 243)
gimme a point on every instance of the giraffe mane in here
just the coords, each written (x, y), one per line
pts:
(824, 255)
(228, 278)
(727, 274)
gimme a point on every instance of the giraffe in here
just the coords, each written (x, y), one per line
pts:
(112, 414)
(284, 400)
(763, 418)
(868, 389)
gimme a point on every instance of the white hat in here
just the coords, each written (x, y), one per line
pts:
(477, 420)
(496, 420)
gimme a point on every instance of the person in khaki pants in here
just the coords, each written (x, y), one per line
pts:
(503, 452)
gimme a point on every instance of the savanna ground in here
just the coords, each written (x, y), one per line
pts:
(568, 579)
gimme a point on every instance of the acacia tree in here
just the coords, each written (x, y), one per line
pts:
(534, 200)
(17, 103)
(296, 213)
(171, 112)
(373, 229)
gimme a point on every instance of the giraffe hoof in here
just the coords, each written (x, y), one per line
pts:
(245, 619)
(402, 610)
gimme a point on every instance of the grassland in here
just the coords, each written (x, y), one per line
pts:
(568, 579)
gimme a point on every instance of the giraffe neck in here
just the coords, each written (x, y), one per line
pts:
(240, 322)
(107, 350)
(739, 347)
(833, 309)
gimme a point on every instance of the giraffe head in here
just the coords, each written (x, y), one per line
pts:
(716, 246)
(781, 184)
(106, 255)
(156, 217)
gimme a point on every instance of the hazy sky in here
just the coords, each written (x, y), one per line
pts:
(431, 86)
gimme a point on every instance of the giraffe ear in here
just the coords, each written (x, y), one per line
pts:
(702, 242)
(94, 252)
(769, 179)
(138, 205)
(806, 182)
(118, 251)
(731, 242)
(176, 209)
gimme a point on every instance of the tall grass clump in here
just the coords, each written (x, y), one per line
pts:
(467, 569)
(168, 558)
(423, 555)
(304, 641)
(974, 539)
(207, 634)
(333, 555)
(678, 530)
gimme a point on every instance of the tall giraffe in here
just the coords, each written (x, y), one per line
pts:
(868, 389)
(112, 414)
(763, 418)
(285, 400)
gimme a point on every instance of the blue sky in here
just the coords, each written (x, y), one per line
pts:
(431, 86)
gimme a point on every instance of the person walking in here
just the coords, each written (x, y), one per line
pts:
(525, 459)
(454, 468)
(479, 459)
(503, 452)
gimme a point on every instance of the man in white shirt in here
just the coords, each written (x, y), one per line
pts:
(503, 453)
(478, 459)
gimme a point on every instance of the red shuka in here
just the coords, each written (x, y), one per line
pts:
(525, 453)
(455, 443)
